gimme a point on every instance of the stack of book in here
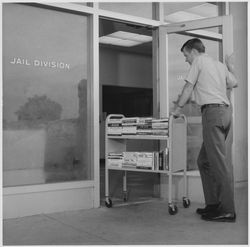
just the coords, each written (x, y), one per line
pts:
(129, 125)
(161, 162)
(157, 161)
(145, 160)
(138, 126)
(160, 126)
(129, 159)
(114, 127)
(144, 126)
(115, 159)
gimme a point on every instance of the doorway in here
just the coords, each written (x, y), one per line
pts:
(126, 87)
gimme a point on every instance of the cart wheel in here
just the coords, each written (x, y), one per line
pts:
(172, 209)
(108, 203)
(186, 202)
(125, 196)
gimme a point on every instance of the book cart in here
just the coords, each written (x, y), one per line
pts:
(175, 144)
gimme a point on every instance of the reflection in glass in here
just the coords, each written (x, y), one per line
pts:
(136, 9)
(177, 71)
(194, 142)
(188, 11)
(45, 92)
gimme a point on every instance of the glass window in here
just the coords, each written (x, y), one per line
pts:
(45, 96)
(178, 69)
(144, 10)
(187, 11)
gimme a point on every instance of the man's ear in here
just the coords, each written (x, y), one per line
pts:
(194, 51)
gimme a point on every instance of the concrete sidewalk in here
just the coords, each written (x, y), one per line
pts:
(146, 223)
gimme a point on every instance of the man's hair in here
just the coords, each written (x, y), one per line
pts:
(194, 44)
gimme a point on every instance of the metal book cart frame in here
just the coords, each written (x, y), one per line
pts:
(176, 142)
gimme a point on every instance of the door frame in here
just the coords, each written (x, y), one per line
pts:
(189, 27)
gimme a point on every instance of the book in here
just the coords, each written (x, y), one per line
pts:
(145, 160)
(129, 130)
(161, 123)
(156, 161)
(166, 159)
(144, 126)
(130, 120)
(115, 154)
(161, 161)
(129, 159)
(115, 163)
(115, 159)
(160, 132)
(114, 127)
(114, 131)
(144, 132)
(145, 119)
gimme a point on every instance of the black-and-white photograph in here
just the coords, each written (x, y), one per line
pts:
(124, 123)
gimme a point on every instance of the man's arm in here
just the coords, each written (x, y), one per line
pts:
(231, 78)
(185, 96)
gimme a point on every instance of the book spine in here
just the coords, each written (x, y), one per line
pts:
(160, 161)
(167, 159)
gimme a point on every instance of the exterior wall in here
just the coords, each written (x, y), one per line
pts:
(239, 13)
(38, 199)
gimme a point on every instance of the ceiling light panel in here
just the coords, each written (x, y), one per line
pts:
(128, 43)
(107, 40)
(206, 10)
(131, 36)
(182, 16)
(121, 38)
(118, 42)
(122, 35)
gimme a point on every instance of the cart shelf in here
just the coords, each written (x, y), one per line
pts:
(140, 137)
(137, 170)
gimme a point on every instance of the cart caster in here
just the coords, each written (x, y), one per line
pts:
(125, 196)
(108, 203)
(172, 209)
(186, 202)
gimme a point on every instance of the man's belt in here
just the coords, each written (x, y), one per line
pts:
(203, 107)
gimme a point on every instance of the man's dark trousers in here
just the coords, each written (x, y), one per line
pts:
(216, 172)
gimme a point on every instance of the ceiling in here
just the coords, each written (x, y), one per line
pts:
(173, 12)
(108, 27)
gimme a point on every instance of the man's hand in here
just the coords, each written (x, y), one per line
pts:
(231, 78)
(229, 60)
(183, 98)
(177, 112)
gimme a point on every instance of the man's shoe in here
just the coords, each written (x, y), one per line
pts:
(219, 217)
(208, 209)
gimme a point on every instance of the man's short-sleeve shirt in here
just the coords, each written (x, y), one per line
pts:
(209, 78)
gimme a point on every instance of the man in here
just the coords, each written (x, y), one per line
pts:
(208, 80)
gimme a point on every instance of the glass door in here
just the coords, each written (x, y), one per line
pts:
(216, 34)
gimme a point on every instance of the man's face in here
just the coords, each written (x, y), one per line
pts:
(188, 54)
